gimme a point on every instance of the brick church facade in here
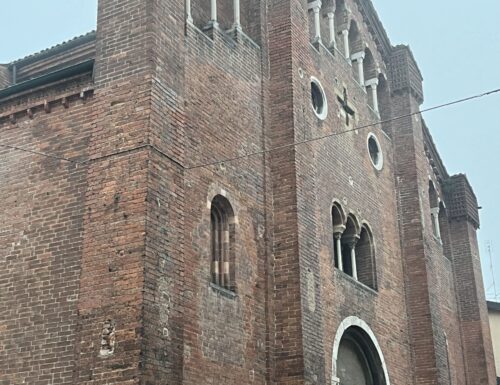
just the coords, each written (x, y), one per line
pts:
(226, 192)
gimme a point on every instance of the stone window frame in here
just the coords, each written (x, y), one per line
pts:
(346, 231)
(379, 165)
(222, 243)
(324, 113)
(346, 324)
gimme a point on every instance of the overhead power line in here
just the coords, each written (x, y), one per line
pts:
(317, 138)
(278, 148)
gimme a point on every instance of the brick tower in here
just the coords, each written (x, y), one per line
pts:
(226, 191)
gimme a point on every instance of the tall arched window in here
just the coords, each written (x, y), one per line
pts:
(365, 258)
(222, 243)
(337, 230)
(348, 241)
(355, 42)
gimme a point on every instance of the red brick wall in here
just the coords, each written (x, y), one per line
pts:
(124, 236)
(340, 168)
(43, 206)
(113, 269)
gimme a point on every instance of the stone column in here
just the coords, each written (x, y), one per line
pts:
(353, 262)
(435, 219)
(359, 57)
(347, 51)
(338, 248)
(237, 17)
(189, 16)
(331, 27)
(316, 7)
(373, 83)
(213, 12)
(351, 243)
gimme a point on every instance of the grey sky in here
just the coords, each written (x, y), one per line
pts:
(457, 46)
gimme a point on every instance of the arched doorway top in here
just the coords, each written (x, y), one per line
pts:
(355, 322)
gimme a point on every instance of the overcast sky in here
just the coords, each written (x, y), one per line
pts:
(457, 46)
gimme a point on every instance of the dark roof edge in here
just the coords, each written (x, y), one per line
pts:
(73, 70)
(434, 150)
(64, 46)
(493, 305)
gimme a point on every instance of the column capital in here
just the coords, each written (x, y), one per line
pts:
(338, 230)
(331, 14)
(435, 210)
(314, 5)
(345, 32)
(351, 240)
(335, 380)
(358, 56)
(372, 82)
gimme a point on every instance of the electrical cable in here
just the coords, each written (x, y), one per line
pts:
(278, 148)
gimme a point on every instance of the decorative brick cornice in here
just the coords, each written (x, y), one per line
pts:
(44, 105)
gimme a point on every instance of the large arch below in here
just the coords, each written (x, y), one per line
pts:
(356, 323)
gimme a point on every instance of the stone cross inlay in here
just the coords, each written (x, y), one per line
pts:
(344, 103)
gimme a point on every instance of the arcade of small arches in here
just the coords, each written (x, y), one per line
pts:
(354, 251)
(343, 36)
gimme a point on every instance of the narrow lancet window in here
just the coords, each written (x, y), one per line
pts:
(222, 243)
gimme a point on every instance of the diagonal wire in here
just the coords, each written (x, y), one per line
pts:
(278, 148)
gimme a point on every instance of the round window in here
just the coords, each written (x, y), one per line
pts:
(318, 99)
(375, 152)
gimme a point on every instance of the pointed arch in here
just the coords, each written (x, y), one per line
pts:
(338, 227)
(365, 257)
(370, 65)
(348, 242)
(355, 41)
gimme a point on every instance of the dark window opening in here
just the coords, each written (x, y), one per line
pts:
(317, 98)
(222, 243)
(358, 361)
(374, 151)
(347, 260)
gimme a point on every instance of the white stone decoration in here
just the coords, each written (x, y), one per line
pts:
(323, 111)
(346, 324)
(379, 162)
(189, 16)
(359, 57)
(213, 13)
(316, 7)
(237, 20)
(435, 218)
(347, 51)
(373, 84)
(331, 28)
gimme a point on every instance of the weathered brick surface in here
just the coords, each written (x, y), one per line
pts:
(41, 243)
(106, 263)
